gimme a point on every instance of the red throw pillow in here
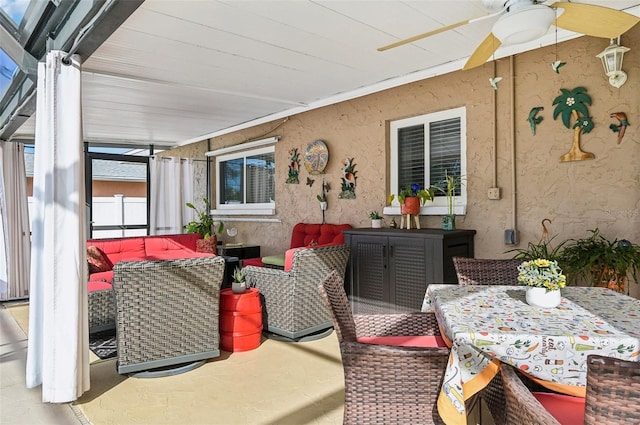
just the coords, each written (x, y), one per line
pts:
(98, 260)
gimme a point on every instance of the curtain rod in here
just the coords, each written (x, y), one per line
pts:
(181, 159)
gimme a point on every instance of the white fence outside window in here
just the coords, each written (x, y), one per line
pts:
(114, 211)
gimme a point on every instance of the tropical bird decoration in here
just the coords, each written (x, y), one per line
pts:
(294, 167)
(557, 65)
(533, 120)
(494, 82)
(620, 129)
(348, 179)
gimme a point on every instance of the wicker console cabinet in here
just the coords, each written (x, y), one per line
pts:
(389, 269)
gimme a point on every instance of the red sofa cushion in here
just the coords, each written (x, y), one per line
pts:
(176, 254)
(102, 276)
(121, 248)
(94, 285)
(163, 243)
(304, 234)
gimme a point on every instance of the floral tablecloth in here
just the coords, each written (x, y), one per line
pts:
(487, 324)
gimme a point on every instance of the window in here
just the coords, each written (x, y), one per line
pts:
(246, 182)
(426, 148)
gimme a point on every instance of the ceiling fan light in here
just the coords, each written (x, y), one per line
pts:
(524, 24)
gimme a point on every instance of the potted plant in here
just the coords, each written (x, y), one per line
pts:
(412, 197)
(203, 226)
(600, 262)
(541, 249)
(376, 219)
(544, 279)
(322, 198)
(239, 284)
(448, 188)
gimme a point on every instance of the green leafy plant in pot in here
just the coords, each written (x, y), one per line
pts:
(413, 192)
(203, 225)
(448, 187)
(376, 219)
(600, 262)
(239, 284)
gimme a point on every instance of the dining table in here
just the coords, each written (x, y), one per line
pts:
(489, 324)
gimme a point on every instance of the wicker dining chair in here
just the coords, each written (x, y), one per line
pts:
(613, 391)
(477, 271)
(385, 384)
(522, 406)
(167, 314)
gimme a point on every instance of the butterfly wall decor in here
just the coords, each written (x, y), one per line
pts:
(310, 182)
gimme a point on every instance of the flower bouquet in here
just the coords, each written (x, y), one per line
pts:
(541, 273)
(543, 279)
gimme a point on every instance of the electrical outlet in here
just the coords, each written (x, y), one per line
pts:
(494, 193)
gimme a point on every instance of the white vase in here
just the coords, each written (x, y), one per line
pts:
(323, 206)
(540, 297)
(376, 223)
(238, 287)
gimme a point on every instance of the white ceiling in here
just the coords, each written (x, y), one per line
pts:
(178, 71)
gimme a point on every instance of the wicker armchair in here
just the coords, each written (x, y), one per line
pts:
(167, 314)
(613, 391)
(385, 384)
(293, 308)
(476, 271)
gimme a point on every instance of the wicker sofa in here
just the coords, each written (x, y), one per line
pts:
(293, 307)
(102, 308)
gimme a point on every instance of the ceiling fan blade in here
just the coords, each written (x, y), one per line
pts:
(423, 35)
(483, 52)
(439, 30)
(596, 21)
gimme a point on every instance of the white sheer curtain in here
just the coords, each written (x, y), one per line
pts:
(171, 188)
(58, 348)
(15, 241)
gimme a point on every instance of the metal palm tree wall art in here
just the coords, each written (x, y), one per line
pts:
(572, 104)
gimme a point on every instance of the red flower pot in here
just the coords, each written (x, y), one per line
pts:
(411, 205)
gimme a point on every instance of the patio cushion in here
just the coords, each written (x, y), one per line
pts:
(304, 234)
(568, 410)
(405, 341)
(176, 254)
(121, 249)
(98, 260)
(98, 285)
(102, 276)
(274, 260)
(154, 244)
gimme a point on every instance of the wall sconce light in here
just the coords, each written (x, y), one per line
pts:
(611, 58)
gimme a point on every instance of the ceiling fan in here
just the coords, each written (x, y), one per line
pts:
(521, 21)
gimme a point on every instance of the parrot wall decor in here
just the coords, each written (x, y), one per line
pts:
(533, 120)
(621, 127)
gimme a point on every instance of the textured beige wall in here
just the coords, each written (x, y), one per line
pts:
(575, 196)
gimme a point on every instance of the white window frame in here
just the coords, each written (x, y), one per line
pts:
(439, 205)
(266, 208)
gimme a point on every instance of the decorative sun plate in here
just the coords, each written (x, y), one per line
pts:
(316, 157)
